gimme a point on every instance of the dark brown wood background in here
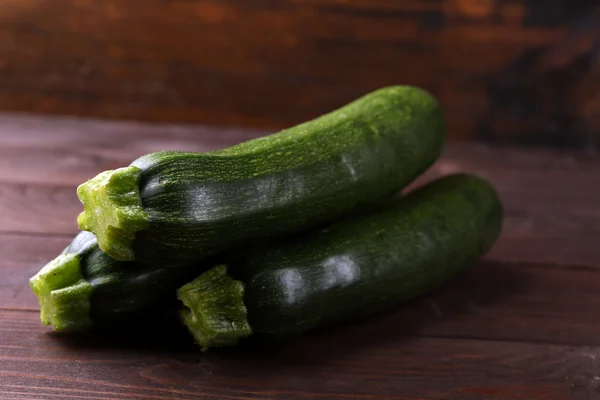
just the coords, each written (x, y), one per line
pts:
(519, 71)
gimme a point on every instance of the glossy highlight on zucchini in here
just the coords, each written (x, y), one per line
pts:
(83, 288)
(347, 269)
(173, 208)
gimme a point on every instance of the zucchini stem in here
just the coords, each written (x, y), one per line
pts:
(63, 294)
(213, 309)
(113, 210)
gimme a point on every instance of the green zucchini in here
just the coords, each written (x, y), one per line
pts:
(348, 269)
(83, 288)
(175, 208)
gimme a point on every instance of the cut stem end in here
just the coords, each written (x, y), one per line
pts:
(214, 310)
(113, 210)
(63, 294)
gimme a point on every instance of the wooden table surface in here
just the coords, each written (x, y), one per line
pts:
(523, 323)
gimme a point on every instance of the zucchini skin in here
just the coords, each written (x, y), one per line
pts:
(364, 264)
(117, 293)
(125, 294)
(200, 204)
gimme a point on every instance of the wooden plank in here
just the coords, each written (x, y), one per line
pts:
(161, 365)
(529, 235)
(39, 209)
(62, 151)
(552, 239)
(509, 325)
(505, 70)
(500, 301)
(541, 303)
(67, 151)
(552, 199)
(34, 131)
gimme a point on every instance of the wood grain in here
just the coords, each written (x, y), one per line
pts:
(333, 364)
(548, 244)
(68, 151)
(492, 301)
(505, 70)
(521, 324)
(38, 209)
(550, 197)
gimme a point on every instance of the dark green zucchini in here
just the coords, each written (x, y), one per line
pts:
(348, 269)
(83, 288)
(174, 208)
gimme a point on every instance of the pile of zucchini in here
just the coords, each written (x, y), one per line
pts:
(274, 236)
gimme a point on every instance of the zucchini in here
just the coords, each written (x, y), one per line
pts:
(348, 269)
(175, 208)
(83, 288)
